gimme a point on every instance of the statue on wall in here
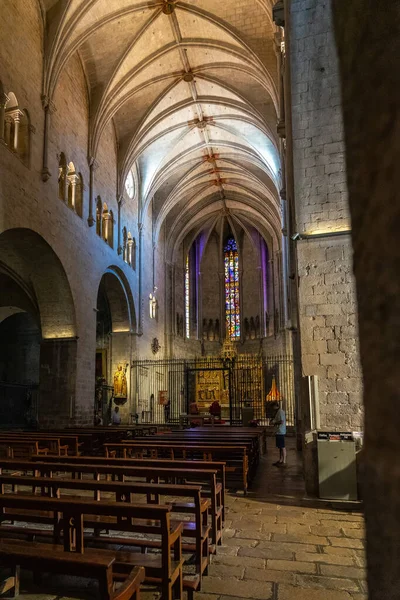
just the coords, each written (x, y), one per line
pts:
(120, 385)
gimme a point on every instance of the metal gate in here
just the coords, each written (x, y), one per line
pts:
(164, 389)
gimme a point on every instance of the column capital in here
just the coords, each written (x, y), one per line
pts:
(48, 104)
(3, 100)
(92, 162)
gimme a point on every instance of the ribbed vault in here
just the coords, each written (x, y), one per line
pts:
(191, 88)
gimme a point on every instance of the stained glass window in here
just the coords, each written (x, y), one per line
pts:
(232, 300)
(187, 298)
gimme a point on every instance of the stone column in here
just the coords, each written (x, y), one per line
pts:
(368, 42)
(106, 226)
(48, 108)
(73, 179)
(140, 265)
(120, 202)
(92, 167)
(3, 103)
(17, 120)
(7, 130)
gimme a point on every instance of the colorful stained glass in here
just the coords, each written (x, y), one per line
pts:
(232, 299)
(187, 298)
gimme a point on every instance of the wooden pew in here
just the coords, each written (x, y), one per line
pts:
(124, 492)
(21, 449)
(148, 474)
(59, 444)
(236, 458)
(157, 463)
(69, 518)
(52, 558)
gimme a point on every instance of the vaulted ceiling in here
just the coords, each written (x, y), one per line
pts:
(192, 90)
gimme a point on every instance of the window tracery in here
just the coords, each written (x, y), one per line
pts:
(130, 185)
(232, 296)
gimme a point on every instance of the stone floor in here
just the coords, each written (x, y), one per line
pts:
(277, 546)
(280, 546)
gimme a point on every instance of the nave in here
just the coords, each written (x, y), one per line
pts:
(263, 542)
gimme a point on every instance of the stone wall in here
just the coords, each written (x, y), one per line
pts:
(28, 203)
(327, 303)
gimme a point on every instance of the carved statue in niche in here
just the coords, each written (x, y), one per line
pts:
(210, 332)
(120, 385)
(258, 327)
(181, 328)
(204, 329)
(252, 329)
(216, 330)
(246, 329)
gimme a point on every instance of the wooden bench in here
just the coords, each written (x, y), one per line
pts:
(69, 518)
(20, 445)
(20, 449)
(235, 456)
(124, 492)
(155, 463)
(52, 558)
(151, 474)
(59, 444)
(121, 472)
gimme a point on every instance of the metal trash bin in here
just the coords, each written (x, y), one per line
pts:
(337, 472)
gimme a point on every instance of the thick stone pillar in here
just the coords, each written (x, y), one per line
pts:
(57, 382)
(368, 41)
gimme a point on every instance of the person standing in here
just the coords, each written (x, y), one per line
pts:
(280, 424)
(116, 417)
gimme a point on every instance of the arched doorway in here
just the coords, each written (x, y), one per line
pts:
(20, 338)
(115, 327)
(37, 334)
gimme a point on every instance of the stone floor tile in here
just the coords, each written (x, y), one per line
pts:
(274, 528)
(340, 571)
(320, 530)
(354, 533)
(296, 528)
(239, 561)
(288, 592)
(346, 542)
(242, 542)
(338, 550)
(331, 559)
(259, 590)
(253, 535)
(269, 575)
(330, 583)
(288, 546)
(294, 566)
(226, 571)
(228, 550)
(228, 533)
(247, 525)
(300, 539)
(258, 552)
(347, 524)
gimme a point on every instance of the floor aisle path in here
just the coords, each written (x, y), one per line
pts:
(279, 546)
